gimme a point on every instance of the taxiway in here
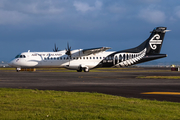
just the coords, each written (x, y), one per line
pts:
(121, 82)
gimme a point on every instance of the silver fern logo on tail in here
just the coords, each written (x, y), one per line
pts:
(154, 41)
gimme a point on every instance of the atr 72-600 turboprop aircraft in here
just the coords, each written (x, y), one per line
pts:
(86, 59)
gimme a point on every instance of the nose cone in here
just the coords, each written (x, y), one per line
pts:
(13, 63)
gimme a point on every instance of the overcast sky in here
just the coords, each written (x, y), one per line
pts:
(37, 25)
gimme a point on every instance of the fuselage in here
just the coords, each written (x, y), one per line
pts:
(58, 59)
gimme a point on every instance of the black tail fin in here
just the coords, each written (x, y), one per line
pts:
(154, 42)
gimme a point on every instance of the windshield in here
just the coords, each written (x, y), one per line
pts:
(20, 56)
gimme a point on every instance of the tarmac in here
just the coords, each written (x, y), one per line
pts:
(120, 82)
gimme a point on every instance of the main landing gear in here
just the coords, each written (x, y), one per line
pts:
(83, 69)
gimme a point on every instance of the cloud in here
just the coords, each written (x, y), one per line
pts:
(11, 17)
(177, 11)
(84, 7)
(116, 8)
(28, 12)
(152, 16)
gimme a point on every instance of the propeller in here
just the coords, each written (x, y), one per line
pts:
(55, 48)
(68, 50)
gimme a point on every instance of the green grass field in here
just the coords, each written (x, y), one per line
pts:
(58, 105)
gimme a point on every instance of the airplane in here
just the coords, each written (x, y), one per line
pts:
(87, 59)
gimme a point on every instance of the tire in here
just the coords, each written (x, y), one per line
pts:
(86, 69)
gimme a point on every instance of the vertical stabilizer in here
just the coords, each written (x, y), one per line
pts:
(154, 43)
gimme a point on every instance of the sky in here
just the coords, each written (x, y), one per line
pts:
(36, 25)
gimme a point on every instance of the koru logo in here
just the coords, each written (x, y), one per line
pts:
(154, 41)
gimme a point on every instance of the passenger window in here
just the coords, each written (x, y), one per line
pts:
(57, 58)
(51, 58)
(96, 57)
(100, 58)
(54, 58)
(44, 58)
(86, 57)
(93, 57)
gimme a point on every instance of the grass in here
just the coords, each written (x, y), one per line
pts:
(159, 77)
(53, 105)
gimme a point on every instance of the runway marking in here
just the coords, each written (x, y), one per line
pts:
(162, 93)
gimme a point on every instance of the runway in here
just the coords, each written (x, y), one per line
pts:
(121, 82)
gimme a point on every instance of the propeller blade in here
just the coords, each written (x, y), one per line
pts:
(55, 48)
(68, 50)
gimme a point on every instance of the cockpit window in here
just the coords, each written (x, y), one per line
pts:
(17, 56)
(20, 56)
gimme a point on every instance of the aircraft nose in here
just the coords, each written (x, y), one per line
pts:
(12, 63)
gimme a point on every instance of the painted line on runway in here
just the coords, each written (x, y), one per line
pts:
(162, 93)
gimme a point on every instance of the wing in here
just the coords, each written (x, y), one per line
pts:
(95, 50)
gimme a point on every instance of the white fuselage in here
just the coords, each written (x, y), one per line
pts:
(58, 59)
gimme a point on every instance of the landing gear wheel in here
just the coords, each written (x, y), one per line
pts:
(18, 69)
(80, 69)
(86, 69)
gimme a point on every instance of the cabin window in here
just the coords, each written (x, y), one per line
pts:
(86, 57)
(64, 58)
(54, 58)
(93, 57)
(83, 57)
(44, 58)
(80, 58)
(77, 58)
(51, 58)
(57, 58)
